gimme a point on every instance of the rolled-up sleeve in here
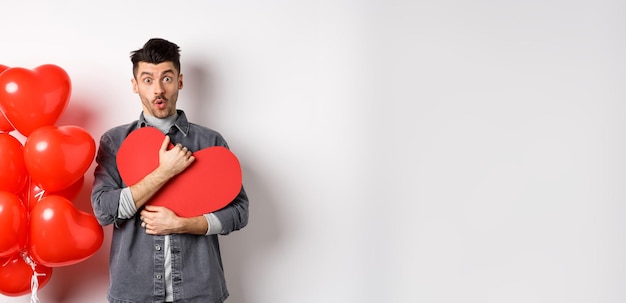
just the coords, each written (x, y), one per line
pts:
(107, 185)
(235, 215)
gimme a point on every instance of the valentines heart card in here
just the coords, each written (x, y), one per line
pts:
(210, 183)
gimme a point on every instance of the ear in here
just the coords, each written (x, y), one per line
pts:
(180, 81)
(134, 83)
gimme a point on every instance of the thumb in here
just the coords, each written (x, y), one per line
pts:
(165, 144)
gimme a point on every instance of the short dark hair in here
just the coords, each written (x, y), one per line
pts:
(156, 51)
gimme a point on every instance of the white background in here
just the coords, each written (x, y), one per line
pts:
(393, 151)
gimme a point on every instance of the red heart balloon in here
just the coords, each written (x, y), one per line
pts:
(58, 156)
(209, 184)
(34, 194)
(14, 175)
(34, 98)
(13, 224)
(16, 274)
(5, 126)
(62, 235)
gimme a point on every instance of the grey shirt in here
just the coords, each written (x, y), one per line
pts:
(137, 271)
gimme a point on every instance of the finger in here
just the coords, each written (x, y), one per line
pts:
(145, 213)
(151, 208)
(166, 142)
(150, 229)
(147, 220)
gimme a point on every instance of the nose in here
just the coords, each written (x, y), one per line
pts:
(159, 88)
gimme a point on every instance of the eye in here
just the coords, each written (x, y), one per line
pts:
(167, 79)
(147, 80)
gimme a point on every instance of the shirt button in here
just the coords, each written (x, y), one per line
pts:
(158, 247)
(158, 277)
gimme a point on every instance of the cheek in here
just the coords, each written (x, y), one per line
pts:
(143, 90)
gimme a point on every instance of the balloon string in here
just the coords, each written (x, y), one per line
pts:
(29, 188)
(38, 195)
(34, 281)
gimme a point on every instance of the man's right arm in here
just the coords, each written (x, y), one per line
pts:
(171, 163)
(107, 193)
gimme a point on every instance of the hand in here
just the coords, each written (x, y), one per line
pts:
(174, 161)
(171, 163)
(159, 220)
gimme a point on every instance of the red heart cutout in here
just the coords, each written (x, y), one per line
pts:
(209, 184)
(62, 235)
(34, 98)
(58, 156)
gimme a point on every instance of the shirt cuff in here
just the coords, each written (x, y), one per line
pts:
(127, 207)
(215, 225)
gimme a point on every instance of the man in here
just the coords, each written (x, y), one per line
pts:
(155, 255)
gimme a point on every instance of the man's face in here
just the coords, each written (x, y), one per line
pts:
(157, 85)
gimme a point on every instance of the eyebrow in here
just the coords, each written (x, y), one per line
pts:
(169, 71)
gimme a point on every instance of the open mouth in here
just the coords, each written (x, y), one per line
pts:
(160, 102)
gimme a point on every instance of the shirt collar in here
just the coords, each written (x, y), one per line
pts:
(181, 123)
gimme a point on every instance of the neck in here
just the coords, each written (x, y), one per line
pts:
(163, 124)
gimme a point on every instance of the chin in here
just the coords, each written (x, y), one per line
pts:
(162, 113)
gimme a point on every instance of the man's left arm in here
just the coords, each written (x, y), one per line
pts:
(159, 220)
(235, 215)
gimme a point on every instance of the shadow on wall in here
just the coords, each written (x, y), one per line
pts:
(241, 248)
(77, 114)
(245, 246)
(198, 93)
